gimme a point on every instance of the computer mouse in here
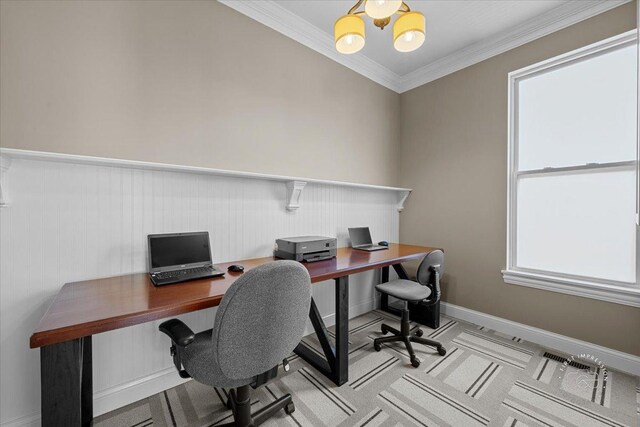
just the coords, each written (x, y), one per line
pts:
(236, 268)
(383, 243)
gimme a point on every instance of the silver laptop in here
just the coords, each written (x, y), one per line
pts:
(179, 257)
(361, 239)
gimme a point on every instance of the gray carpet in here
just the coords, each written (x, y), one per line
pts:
(485, 379)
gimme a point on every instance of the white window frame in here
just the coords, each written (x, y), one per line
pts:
(605, 290)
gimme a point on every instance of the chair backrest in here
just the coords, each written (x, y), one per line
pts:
(433, 259)
(261, 318)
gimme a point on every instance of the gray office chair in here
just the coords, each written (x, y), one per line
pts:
(427, 290)
(259, 322)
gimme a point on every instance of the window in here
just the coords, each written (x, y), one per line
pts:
(573, 188)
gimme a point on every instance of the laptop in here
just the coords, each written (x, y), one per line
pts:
(179, 257)
(361, 239)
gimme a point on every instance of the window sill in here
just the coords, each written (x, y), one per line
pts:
(582, 288)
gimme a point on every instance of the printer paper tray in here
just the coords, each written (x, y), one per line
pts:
(317, 256)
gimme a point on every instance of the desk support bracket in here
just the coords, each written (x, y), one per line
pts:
(335, 363)
(67, 383)
(400, 271)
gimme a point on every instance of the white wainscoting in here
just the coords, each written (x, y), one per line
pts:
(68, 222)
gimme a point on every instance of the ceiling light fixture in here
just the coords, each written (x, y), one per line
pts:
(408, 30)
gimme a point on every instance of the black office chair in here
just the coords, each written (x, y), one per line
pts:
(427, 290)
(259, 322)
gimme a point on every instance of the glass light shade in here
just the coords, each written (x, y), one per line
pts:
(380, 9)
(408, 31)
(349, 34)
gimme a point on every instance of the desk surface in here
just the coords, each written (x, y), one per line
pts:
(94, 306)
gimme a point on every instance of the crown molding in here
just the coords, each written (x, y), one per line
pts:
(274, 16)
(554, 20)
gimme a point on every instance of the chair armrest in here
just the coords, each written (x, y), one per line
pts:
(179, 333)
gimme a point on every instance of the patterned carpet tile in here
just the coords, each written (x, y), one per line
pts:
(474, 375)
(502, 350)
(433, 402)
(555, 407)
(485, 379)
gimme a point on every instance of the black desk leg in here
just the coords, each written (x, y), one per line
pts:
(335, 364)
(324, 365)
(341, 367)
(402, 273)
(67, 383)
(384, 298)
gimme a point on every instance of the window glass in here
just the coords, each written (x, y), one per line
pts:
(578, 223)
(580, 113)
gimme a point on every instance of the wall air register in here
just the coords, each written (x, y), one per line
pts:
(569, 362)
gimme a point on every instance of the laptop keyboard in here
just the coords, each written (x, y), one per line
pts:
(183, 273)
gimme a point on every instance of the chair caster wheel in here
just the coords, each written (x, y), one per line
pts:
(442, 351)
(415, 362)
(290, 408)
(384, 329)
(376, 346)
(419, 332)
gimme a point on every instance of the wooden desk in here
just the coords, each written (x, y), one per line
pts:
(83, 309)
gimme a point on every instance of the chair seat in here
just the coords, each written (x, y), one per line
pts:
(198, 361)
(405, 290)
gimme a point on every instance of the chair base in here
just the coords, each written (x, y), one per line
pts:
(240, 404)
(407, 334)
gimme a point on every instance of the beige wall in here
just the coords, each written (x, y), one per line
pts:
(191, 83)
(454, 155)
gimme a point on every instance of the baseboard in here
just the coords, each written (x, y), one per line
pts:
(116, 397)
(611, 358)
(26, 421)
(121, 395)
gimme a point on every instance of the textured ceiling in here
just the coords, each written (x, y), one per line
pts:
(451, 25)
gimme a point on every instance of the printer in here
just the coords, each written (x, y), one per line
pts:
(306, 248)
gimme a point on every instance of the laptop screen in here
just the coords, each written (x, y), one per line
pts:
(168, 250)
(360, 236)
